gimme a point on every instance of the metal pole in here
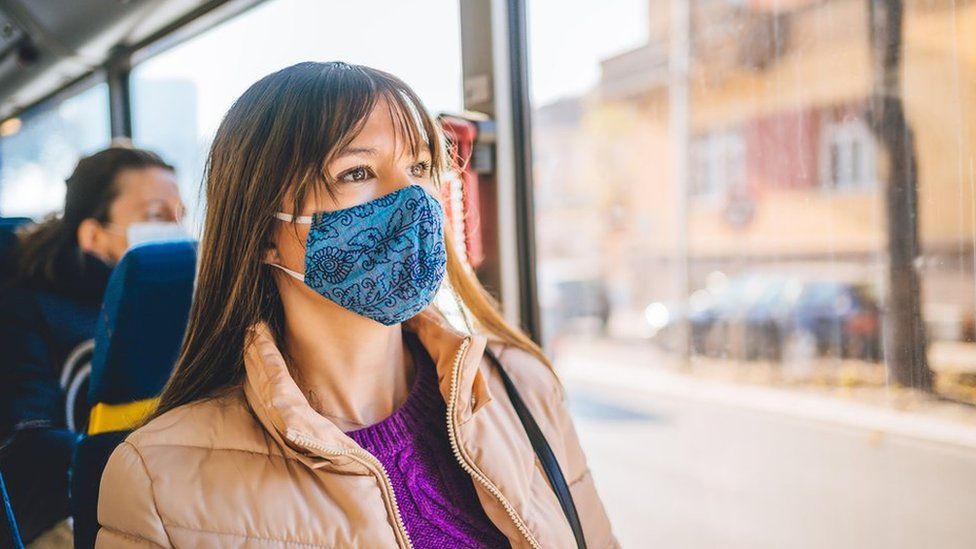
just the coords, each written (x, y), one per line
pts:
(524, 189)
(117, 71)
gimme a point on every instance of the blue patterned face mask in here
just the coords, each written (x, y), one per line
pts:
(383, 259)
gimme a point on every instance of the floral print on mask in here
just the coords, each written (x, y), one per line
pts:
(384, 259)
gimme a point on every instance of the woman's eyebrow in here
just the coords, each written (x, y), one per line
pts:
(148, 202)
(362, 151)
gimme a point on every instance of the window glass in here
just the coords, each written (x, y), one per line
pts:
(181, 95)
(39, 150)
(755, 237)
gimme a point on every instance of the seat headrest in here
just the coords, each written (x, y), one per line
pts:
(11, 223)
(8, 229)
(141, 325)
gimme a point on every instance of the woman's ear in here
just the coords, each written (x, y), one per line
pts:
(271, 255)
(92, 239)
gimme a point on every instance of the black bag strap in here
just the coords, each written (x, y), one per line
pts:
(544, 452)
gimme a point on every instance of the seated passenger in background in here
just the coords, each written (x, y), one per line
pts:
(114, 198)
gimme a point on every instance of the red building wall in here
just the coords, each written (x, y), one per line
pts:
(782, 151)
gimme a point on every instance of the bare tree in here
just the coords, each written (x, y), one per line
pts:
(904, 328)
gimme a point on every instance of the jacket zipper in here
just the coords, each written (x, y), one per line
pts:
(459, 454)
(367, 459)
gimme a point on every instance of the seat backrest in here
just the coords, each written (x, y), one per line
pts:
(139, 332)
(11, 224)
(9, 534)
(91, 456)
(138, 336)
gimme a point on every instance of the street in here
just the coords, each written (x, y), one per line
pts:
(679, 472)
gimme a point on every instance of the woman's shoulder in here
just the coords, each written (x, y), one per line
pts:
(180, 447)
(533, 378)
(76, 278)
(28, 304)
(218, 423)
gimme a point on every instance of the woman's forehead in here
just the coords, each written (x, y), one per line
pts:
(383, 132)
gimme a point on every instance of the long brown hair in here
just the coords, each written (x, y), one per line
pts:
(277, 138)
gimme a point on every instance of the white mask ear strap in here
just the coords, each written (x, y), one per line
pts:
(300, 219)
(298, 276)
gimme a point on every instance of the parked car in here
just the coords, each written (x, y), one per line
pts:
(710, 314)
(768, 320)
(779, 317)
(721, 329)
(843, 319)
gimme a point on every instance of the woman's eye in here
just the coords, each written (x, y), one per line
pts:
(153, 215)
(356, 175)
(420, 169)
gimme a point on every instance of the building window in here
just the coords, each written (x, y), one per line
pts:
(718, 166)
(848, 156)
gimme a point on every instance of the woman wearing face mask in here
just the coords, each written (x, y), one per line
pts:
(319, 398)
(49, 311)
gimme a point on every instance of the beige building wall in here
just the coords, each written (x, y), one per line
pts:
(826, 63)
(617, 165)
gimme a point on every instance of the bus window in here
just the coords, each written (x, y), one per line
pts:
(39, 149)
(755, 238)
(198, 80)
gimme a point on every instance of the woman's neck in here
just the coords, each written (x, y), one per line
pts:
(353, 370)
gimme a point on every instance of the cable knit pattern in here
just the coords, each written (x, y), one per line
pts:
(437, 498)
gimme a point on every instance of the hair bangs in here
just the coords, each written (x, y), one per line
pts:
(340, 102)
(414, 126)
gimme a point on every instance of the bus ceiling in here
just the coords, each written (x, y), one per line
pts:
(47, 46)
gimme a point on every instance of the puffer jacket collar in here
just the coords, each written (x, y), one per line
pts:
(300, 431)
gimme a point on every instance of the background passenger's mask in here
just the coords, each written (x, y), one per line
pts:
(155, 231)
(383, 259)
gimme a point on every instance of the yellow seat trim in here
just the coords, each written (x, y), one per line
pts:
(106, 418)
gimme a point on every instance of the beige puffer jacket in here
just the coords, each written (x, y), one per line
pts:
(260, 468)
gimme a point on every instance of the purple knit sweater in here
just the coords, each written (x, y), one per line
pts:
(436, 497)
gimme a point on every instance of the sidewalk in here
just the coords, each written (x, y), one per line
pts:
(634, 372)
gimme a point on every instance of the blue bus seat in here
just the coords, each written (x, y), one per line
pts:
(139, 332)
(137, 339)
(89, 461)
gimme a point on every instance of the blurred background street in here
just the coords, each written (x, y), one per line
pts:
(733, 466)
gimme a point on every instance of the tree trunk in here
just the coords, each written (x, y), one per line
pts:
(904, 328)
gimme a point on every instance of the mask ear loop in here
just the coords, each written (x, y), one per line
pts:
(300, 220)
(296, 275)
